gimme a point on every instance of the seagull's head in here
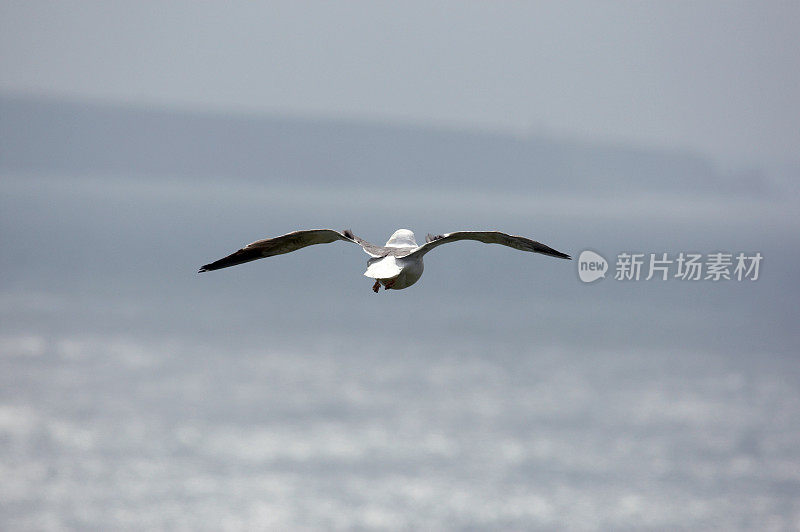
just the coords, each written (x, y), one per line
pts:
(402, 238)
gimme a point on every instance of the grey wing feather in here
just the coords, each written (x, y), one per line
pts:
(279, 245)
(490, 237)
(371, 249)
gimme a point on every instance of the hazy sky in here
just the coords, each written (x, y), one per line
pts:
(719, 77)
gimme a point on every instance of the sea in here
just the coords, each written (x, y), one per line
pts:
(498, 393)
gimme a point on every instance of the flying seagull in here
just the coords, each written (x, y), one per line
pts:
(396, 265)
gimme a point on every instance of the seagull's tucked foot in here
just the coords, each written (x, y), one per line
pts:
(389, 284)
(376, 286)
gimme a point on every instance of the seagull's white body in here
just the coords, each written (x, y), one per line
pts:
(396, 265)
(397, 272)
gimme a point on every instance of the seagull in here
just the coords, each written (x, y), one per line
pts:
(395, 266)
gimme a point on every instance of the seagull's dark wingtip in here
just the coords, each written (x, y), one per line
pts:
(554, 253)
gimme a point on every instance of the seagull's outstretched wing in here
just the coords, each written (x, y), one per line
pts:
(489, 237)
(279, 245)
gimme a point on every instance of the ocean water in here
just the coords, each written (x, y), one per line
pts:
(497, 393)
(115, 433)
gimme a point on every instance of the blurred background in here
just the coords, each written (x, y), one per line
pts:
(141, 140)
